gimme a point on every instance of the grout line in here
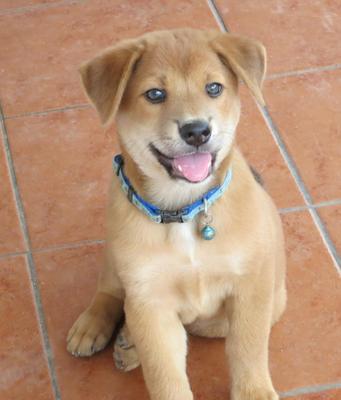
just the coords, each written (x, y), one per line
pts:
(326, 238)
(327, 203)
(13, 180)
(81, 106)
(41, 6)
(292, 209)
(290, 163)
(30, 261)
(285, 154)
(303, 71)
(310, 389)
(42, 325)
(68, 246)
(219, 19)
(10, 255)
(63, 246)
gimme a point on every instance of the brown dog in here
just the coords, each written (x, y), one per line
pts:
(174, 95)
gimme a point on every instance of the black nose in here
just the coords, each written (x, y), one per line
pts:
(195, 133)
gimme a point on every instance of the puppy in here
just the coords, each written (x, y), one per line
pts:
(194, 243)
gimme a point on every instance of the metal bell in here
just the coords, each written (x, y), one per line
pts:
(207, 232)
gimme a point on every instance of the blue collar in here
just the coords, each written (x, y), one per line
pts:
(164, 216)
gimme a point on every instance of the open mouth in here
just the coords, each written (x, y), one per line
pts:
(193, 167)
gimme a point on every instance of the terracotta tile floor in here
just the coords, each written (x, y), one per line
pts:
(55, 165)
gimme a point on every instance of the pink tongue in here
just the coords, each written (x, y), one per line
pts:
(194, 167)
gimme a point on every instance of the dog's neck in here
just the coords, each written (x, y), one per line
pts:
(172, 194)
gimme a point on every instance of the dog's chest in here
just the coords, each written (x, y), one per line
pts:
(188, 271)
(183, 239)
(197, 254)
(202, 272)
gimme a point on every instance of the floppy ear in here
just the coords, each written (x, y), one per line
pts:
(246, 58)
(106, 76)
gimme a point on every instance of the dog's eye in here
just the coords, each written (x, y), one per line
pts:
(155, 95)
(214, 89)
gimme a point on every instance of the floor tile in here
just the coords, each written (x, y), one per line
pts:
(11, 239)
(63, 165)
(331, 216)
(67, 280)
(55, 41)
(23, 370)
(297, 34)
(18, 4)
(306, 110)
(325, 395)
(260, 150)
(207, 369)
(304, 345)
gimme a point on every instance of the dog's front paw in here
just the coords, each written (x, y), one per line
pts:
(89, 334)
(254, 393)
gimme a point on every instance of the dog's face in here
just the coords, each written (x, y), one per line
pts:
(175, 97)
(180, 109)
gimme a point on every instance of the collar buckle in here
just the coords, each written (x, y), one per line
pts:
(171, 216)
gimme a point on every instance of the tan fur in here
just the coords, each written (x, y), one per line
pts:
(167, 277)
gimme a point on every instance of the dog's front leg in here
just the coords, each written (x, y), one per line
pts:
(247, 344)
(160, 341)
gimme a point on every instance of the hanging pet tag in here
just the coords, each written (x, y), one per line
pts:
(207, 232)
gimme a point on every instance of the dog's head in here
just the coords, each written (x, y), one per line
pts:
(174, 95)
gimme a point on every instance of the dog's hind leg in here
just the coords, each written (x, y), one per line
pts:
(215, 327)
(211, 328)
(125, 354)
(280, 301)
